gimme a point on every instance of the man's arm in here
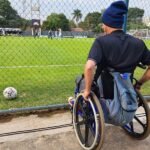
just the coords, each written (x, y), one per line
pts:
(88, 74)
(144, 78)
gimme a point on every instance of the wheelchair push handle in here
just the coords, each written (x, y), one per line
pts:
(140, 65)
(137, 83)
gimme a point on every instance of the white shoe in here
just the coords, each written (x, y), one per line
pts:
(71, 101)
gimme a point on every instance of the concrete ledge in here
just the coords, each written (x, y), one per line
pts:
(59, 139)
(115, 139)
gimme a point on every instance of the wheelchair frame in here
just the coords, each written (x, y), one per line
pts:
(94, 104)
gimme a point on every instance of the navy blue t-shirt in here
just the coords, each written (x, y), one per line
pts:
(119, 51)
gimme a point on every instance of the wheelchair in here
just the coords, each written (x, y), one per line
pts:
(89, 124)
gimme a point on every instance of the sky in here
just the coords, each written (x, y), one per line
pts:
(67, 7)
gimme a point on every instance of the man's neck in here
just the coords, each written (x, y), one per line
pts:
(112, 30)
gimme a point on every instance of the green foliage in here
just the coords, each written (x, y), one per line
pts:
(135, 16)
(98, 29)
(9, 16)
(77, 15)
(92, 22)
(132, 25)
(64, 22)
(24, 23)
(55, 21)
(83, 25)
(6, 11)
(72, 24)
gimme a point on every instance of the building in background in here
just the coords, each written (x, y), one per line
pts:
(35, 18)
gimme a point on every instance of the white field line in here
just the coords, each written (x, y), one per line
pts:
(40, 66)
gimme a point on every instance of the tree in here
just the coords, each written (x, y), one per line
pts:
(82, 25)
(77, 15)
(55, 21)
(135, 16)
(6, 11)
(72, 24)
(64, 22)
(9, 16)
(92, 22)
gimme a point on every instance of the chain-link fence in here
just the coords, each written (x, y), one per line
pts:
(44, 45)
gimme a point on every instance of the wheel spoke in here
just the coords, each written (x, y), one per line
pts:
(141, 115)
(131, 124)
(92, 130)
(81, 122)
(86, 134)
(81, 107)
(91, 118)
(137, 119)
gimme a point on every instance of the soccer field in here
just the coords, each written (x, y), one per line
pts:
(42, 70)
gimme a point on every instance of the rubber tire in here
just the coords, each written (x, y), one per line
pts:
(101, 121)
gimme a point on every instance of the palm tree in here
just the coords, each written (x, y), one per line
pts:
(77, 15)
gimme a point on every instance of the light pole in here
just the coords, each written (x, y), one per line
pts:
(125, 17)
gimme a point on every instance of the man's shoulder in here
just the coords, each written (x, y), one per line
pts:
(136, 40)
(104, 39)
(110, 37)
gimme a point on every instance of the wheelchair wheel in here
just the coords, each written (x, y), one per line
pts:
(139, 128)
(88, 122)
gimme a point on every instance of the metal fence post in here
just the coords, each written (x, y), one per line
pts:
(125, 17)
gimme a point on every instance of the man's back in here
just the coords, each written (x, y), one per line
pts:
(120, 51)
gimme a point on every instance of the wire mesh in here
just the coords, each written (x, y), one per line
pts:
(44, 45)
(138, 25)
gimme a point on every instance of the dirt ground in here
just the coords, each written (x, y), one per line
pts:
(58, 139)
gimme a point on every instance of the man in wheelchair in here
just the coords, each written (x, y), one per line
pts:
(121, 53)
(110, 66)
(108, 74)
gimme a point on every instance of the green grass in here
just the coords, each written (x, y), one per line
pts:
(32, 67)
(40, 83)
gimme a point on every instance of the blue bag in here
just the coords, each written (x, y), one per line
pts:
(121, 109)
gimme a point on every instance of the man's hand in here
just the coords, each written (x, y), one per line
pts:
(86, 95)
(144, 78)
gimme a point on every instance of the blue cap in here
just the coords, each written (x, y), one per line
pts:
(113, 16)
